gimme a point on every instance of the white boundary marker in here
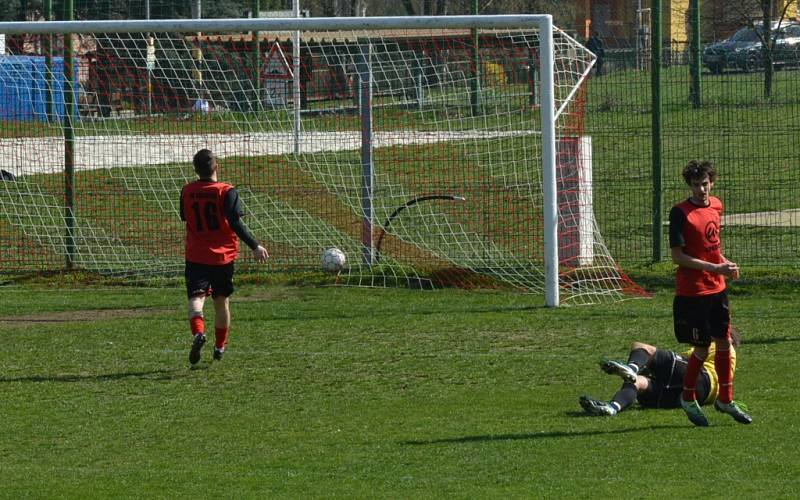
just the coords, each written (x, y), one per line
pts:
(114, 151)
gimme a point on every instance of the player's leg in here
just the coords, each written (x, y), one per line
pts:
(722, 364)
(638, 358)
(703, 389)
(628, 393)
(621, 401)
(640, 355)
(196, 319)
(223, 289)
(222, 325)
(197, 325)
(722, 360)
(690, 317)
(197, 287)
(666, 373)
(720, 323)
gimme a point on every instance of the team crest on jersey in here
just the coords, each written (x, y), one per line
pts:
(712, 232)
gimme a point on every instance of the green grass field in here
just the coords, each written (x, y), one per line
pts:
(359, 393)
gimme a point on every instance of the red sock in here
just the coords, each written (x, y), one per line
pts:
(221, 337)
(690, 378)
(197, 325)
(722, 364)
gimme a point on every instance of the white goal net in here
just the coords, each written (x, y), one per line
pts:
(416, 151)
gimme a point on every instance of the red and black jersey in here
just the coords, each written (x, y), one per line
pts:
(209, 208)
(696, 230)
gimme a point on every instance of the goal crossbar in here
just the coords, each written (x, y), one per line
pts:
(280, 24)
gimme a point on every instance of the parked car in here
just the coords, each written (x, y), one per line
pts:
(743, 50)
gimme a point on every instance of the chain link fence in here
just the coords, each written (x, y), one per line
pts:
(751, 139)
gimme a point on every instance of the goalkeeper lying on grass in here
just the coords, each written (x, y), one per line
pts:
(654, 378)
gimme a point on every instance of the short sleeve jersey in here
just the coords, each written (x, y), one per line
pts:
(711, 369)
(208, 207)
(696, 230)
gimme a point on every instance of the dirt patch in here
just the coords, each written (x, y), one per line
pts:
(83, 315)
(266, 295)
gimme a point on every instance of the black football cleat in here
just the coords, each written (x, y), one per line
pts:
(197, 346)
(736, 410)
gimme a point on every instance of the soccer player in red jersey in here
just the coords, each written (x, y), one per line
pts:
(700, 309)
(213, 215)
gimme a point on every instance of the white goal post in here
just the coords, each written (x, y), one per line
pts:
(426, 85)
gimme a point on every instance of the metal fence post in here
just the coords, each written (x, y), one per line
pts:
(695, 54)
(655, 82)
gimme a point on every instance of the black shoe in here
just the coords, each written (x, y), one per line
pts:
(197, 346)
(218, 353)
(596, 407)
(736, 410)
(616, 368)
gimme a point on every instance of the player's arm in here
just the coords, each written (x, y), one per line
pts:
(232, 207)
(735, 275)
(727, 268)
(734, 267)
(677, 220)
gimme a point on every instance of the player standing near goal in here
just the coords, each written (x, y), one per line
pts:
(212, 212)
(700, 308)
(654, 378)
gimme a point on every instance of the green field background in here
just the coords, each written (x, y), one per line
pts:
(354, 393)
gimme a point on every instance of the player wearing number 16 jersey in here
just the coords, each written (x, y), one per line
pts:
(212, 212)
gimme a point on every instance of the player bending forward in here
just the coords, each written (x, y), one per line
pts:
(212, 212)
(654, 378)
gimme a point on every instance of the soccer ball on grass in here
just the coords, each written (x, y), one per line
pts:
(333, 260)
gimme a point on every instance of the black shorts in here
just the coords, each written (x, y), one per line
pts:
(666, 372)
(698, 320)
(202, 278)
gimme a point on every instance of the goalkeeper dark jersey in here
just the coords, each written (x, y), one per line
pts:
(696, 230)
(209, 208)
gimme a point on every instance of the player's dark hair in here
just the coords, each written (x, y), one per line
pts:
(697, 169)
(204, 163)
